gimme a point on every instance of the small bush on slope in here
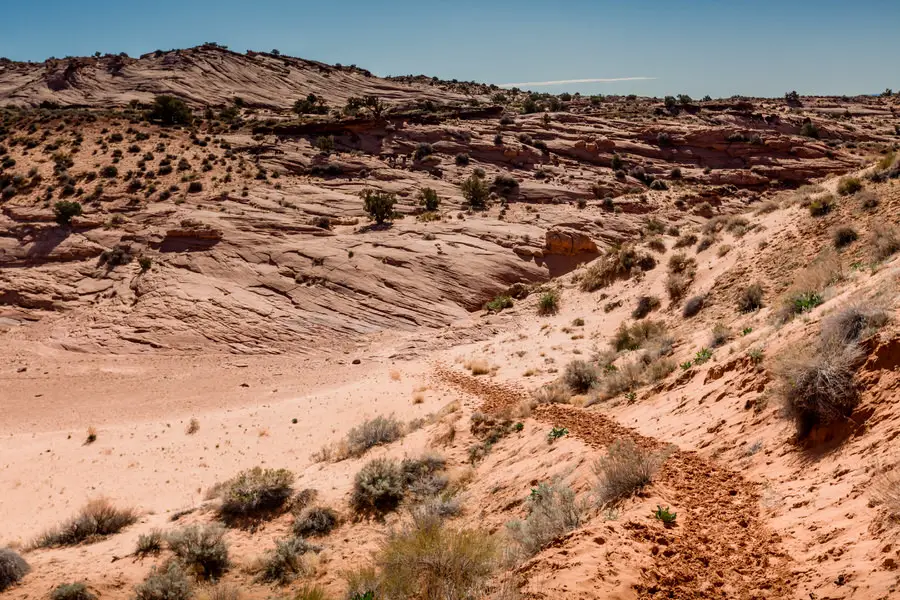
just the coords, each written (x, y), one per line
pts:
(97, 519)
(637, 335)
(256, 490)
(377, 487)
(625, 470)
(552, 512)
(693, 306)
(645, 305)
(201, 549)
(851, 324)
(751, 298)
(168, 584)
(72, 591)
(580, 376)
(884, 242)
(618, 263)
(285, 561)
(315, 520)
(12, 568)
(373, 432)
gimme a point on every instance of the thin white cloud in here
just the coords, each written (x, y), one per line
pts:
(568, 81)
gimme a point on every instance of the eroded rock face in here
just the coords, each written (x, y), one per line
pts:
(568, 242)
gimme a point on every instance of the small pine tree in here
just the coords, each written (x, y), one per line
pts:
(378, 205)
(429, 199)
(476, 192)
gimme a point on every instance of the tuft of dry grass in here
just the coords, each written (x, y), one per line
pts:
(619, 263)
(193, 427)
(478, 366)
(556, 392)
(637, 335)
(149, 544)
(377, 431)
(884, 241)
(852, 324)
(72, 591)
(221, 591)
(285, 562)
(201, 549)
(750, 299)
(809, 284)
(12, 568)
(887, 491)
(625, 470)
(97, 519)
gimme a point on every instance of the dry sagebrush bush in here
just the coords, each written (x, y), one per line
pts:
(625, 470)
(884, 241)
(887, 491)
(820, 389)
(637, 335)
(557, 392)
(553, 511)
(750, 299)
(618, 263)
(98, 518)
(693, 306)
(852, 324)
(201, 549)
(285, 561)
(169, 583)
(72, 591)
(315, 520)
(12, 568)
(256, 490)
(580, 376)
(645, 305)
(149, 543)
(378, 487)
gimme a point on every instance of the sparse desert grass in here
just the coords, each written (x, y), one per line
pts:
(848, 186)
(820, 389)
(499, 303)
(433, 561)
(686, 241)
(884, 241)
(852, 324)
(580, 376)
(637, 335)
(285, 562)
(478, 366)
(645, 305)
(656, 244)
(553, 511)
(312, 592)
(201, 550)
(556, 392)
(720, 335)
(808, 287)
(693, 306)
(625, 470)
(705, 242)
(221, 591)
(97, 519)
(887, 491)
(618, 263)
(315, 521)
(625, 378)
(169, 583)
(12, 568)
(377, 487)
(149, 544)
(373, 432)
(72, 591)
(822, 205)
(256, 491)
(723, 250)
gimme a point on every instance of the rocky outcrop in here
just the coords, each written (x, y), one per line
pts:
(568, 242)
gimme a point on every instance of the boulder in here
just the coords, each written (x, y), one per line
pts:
(568, 242)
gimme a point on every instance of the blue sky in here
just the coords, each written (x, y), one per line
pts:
(698, 47)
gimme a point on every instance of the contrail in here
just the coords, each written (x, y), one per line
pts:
(568, 81)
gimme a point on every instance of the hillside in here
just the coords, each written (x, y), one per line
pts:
(664, 280)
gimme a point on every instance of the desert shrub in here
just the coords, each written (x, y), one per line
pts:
(64, 210)
(705, 242)
(378, 487)
(821, 206)
(499, 303)
(637, 335)
(720, 335)
(658, 185)
(625, 470)
(119, 255)
(475, 191)
(557, 392)
(422, 150)
(373, 432)
(645, 305)
(656, 244)
(887, 491)
(618, 263)
(98, 518)
(170, 111)
(256, 490)
(72, 591)
(378, 205)
(552, 512)
(12, 568)
(149, 543)
(580, 376)
(429, 199)
(433, 561)
(658, 369)
(625, 378)
(285, 561)
(809, 129)
(462, 159)
(849, 185)
(821, 389)
(170, 583)
(681, 263)
(201, 549)
(548, 304)
(750, 298)
(325, 144)
(884, 241)
(195, 187)
(686, 241)
(843, 236)
(505, 184)
(851, 324)
(693, 306)
(315, 520)
(677, 285)
(809, 284)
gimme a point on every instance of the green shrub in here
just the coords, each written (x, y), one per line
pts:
(256, 490)
(548, 303)
(821, 206)
(109, 171)
(378, 205)
(378, 487)
(429, 199)
(145, 263)
(201, 549)
(703, 355)
(556, 433)
(848, 186)
(12, 568)
(462, 159)
(499, 303)
(809, 129)
(476, 192)
(97, 519)
(64, 210)
(664, 515)
(72, 591)
(325, 144)
(168, 584)
(170, 111)
(314, 521)
(580, 376)
(552, 512)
